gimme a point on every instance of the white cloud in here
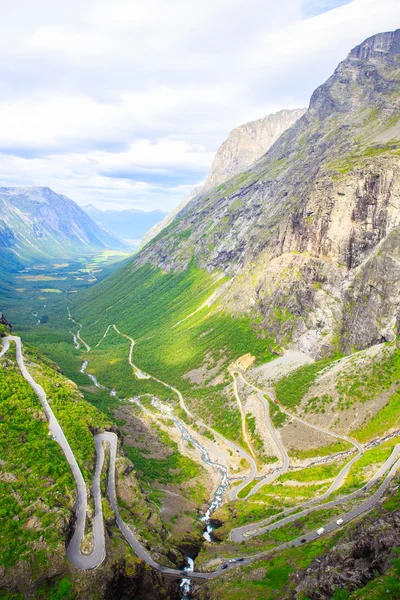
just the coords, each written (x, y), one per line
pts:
(125, 102)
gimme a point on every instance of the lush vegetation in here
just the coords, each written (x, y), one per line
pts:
(175, 468)
(33, 468)
(269, 579)
(37, 491)
(363, 469)
(361, 383)
(334, 448)
(384, 420)
(77, 418)
(160, 311)
(278, 417)
(291, 389)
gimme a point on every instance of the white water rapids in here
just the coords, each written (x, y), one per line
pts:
(185, 583)
(92, 377)
(218, 496)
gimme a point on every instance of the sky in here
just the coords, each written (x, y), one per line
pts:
(123, 104)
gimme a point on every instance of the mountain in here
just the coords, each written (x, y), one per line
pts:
(299, 253)
(158, 227)
(248, 360)
(305, 244)
(244, 145)
(129, 225)
(311, 230)
(37, 223)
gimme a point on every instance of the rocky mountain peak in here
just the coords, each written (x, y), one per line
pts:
(367, 74)
(376, 45)
(247, 143)
(312, 227)
(244, 145)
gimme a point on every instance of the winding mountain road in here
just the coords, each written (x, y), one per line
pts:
(238, 449)
(280, 520)
(282, 450)
(96, 556)
(242, 414)
(345, 470)
(254, 529)
(234, 495)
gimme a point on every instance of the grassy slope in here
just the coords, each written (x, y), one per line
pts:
(278, 576)
(355, 384)
(36, 468)
(37, 491)
(148, 305)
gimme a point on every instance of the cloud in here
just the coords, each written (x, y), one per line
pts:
(124, 103)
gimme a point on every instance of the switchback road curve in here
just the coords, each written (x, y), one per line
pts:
(95, 558)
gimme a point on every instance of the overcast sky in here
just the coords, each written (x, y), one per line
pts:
(124, 103)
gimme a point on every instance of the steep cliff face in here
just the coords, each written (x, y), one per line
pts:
(310, 230)
(244, 145)
(362, 556)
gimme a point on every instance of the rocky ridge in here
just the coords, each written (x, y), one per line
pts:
(311, 230)
(247, 143)
(244, 145)
(360, 557)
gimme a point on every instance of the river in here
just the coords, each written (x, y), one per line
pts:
(218, 496)
(92, 377)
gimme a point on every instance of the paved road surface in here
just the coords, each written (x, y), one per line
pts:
(255, 529)
(96, 557)
(4, 346)
(238, 449)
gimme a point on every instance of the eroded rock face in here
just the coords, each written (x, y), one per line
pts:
(247, 143)
(353, 562)
(308, 234)
(131, 579)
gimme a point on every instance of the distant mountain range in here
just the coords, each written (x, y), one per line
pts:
(244, 145)
(38, 224)
(129, 225)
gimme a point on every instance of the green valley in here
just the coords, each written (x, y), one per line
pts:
(215, 417)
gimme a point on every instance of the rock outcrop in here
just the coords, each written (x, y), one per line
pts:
(247, 143)
(360, 557)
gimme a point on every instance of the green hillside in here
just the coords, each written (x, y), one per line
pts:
(38, 490)
(173, 334)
